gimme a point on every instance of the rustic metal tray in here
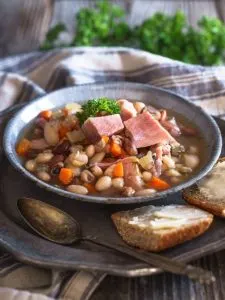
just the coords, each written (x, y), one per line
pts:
(26, 246)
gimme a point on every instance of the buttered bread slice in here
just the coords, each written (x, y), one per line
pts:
(156, 228)
(209, 193)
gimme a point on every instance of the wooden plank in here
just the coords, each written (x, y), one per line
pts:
(166, 286)
(23, 24)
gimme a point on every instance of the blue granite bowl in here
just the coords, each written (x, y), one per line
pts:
(209, 130)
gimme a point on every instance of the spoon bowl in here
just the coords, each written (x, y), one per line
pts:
(49, 222)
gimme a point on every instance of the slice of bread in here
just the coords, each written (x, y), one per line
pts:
(156, 228)
(194, 196)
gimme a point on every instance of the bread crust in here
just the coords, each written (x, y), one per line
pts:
(193, 196)
(158, 240)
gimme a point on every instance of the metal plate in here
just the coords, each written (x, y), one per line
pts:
(116, 90)
(95, 220)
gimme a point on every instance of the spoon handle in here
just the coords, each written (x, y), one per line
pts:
(159, 261)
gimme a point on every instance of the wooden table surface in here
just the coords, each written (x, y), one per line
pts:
(23, 24)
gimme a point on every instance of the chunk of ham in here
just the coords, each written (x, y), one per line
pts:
(146, 131)
(132, 176)
(171, 126)
(157, 169)
(95, 128)
(127, 109)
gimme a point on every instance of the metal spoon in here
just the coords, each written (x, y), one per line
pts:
(57, 226)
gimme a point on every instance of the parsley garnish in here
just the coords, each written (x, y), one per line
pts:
(93, 107)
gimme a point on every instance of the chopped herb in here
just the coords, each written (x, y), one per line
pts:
(93, 107)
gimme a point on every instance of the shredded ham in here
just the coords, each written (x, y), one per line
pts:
(188, 130)
(157, 169)
(105, 165)
(132, 176)
(172, 127)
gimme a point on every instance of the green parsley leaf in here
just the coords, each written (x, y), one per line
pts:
(93, 107)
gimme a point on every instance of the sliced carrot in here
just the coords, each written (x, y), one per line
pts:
(90, 187)
(105, 138)
(118, 170)
(23, 147)
(63, 131)
(65, 175)
(158, 184)
(46, 114)
(115, 149)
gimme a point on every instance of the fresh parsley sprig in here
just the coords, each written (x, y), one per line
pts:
(93, 107)
(171, 36)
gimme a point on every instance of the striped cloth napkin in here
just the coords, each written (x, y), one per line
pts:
(26, 77)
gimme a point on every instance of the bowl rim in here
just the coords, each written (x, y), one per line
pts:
(14, 160)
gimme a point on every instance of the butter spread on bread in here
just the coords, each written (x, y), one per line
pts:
(156, 228)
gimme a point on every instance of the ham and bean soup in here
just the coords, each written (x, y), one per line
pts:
(111, 148)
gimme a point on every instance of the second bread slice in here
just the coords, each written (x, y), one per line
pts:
(209, 193)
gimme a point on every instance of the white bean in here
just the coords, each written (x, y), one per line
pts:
(87, 176)
(44, 157)
(98, 157)
(51, 133)
(139, 106)
(191, 160)
(176, 179)
(172, 172)
(77, 189)
(97, 171)
(145, 192)
(43, 176)
(109, 171)
(128, 191)
(146, 176)
(30, 165)
(103, 183)
(168, 161)
(90, 150)
(118, 183)
(185, 170)
(78, 159)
